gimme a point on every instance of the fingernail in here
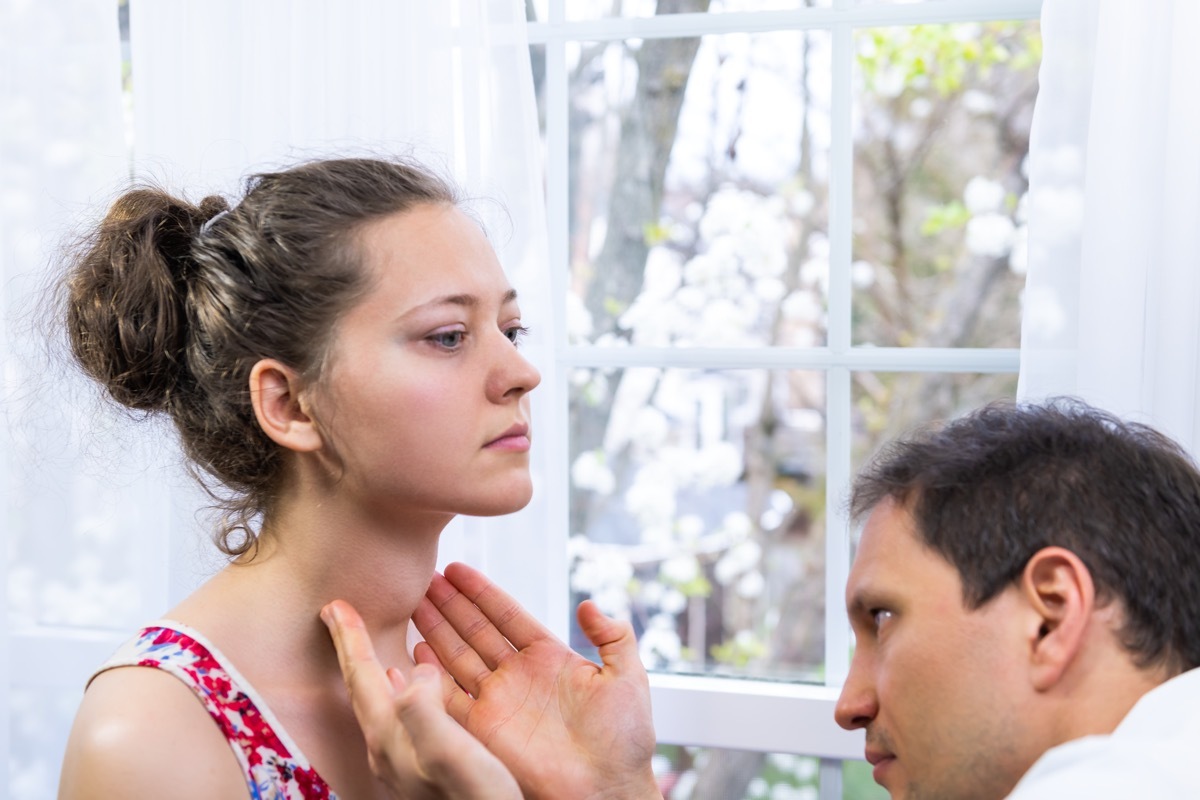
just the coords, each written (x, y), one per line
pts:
(330, 615)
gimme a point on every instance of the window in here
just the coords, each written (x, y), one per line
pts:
(782, 233)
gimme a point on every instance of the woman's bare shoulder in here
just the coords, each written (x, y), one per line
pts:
(141, 733)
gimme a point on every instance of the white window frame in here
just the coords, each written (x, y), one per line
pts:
(725, 712)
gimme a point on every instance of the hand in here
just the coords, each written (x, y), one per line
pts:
(565, 726)
(414, 747)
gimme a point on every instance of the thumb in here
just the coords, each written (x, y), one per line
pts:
(419, 702)
(613, 638)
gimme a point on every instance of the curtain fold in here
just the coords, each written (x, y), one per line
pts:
(1112, 300)
(62, 148)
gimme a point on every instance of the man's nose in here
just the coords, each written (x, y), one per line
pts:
(858, 704)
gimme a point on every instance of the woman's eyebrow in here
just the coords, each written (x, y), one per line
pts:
(464, 300)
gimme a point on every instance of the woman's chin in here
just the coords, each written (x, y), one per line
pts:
(508, 502)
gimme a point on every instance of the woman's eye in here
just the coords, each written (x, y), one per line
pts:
(879, 616)
(448, 339)
(516, 333)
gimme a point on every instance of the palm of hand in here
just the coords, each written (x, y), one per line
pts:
(546, 698)
(563, 725)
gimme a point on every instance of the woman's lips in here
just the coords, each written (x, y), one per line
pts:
(513, 440)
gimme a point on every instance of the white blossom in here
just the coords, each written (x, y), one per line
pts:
(649, 429)
(740, 558)
(784, 762)
(718, 464)
(889, 82)
(690, 527)
(815, 273)
(600, 571)
(978, 102)
(589, 472)
(659, 642)
(801, 306)
(990, 235)
(862, 274)
(781, 501)
(657, 534)
(579, 320)
(721, 322)
(769, 290)
(651, 498)
(663, 273)
(770, 519)
(613, 601)
(801, 203)
(701, 270)
(983, 195)
(681, 569)
(673, 602)
(751, 585)
(737, 525)
(652, 593)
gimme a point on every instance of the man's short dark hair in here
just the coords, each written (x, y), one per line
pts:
(990, 489)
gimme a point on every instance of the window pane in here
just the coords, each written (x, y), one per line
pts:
(941, 130)
(697, 511)
(603, 9)
(699, 190)
(888, 404)
(858, 783)
(702, 773)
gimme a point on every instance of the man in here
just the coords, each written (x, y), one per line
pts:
(1026, 604)
(1026, 593)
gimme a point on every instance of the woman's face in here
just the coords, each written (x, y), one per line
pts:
(425, 399)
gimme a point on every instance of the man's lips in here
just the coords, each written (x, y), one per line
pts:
(875, 756)
(880, 760)
(515, 438)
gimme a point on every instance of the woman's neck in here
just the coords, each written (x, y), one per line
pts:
(313, 551)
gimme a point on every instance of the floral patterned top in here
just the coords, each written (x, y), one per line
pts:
(274, 767)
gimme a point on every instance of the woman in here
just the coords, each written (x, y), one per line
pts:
(337, 352)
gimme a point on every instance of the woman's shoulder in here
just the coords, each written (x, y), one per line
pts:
(141, 732)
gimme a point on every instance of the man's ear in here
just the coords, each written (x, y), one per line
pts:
(281, 407)
(1059, 588)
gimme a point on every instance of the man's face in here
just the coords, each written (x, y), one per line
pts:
(938, 688)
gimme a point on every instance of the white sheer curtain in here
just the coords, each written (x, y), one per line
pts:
(99, 524)
(224, 87)
(1112, 300)
(69, 559)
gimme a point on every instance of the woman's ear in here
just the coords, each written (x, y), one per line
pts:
(1059, 588)
(281, 407)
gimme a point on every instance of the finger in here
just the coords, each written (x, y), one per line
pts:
(370, 689)
(457, 701)
(614, 639)
(450, 757)
(456, 655)
(421, 708)
(470, 622)
(508, 616)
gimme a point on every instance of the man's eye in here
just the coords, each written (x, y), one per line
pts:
(449, 339)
